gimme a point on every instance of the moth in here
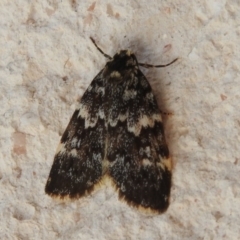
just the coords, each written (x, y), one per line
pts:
(117, 132)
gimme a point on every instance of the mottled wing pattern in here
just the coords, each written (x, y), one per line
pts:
(77, 164)
(138, 156)
(117, 129)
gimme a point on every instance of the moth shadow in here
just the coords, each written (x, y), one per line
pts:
(159, 85)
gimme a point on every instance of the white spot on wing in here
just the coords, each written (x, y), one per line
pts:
(97, 157)
(113, 121)
(89, 88)
(144, 121)
(150, 96)
(147, 151)
(74, 142)
(89, 121)
(83, 111)
(73, 152)
(100, 90)
(101, 114)
(129, 94)
(146, 162)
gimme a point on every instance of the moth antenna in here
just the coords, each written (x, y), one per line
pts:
(100, 50)
(156, 66)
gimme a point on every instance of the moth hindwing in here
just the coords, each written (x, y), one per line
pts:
(116, 131)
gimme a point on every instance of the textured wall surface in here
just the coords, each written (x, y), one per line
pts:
(47, 61)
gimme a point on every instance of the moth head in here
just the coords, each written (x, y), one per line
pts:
(122, 61)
